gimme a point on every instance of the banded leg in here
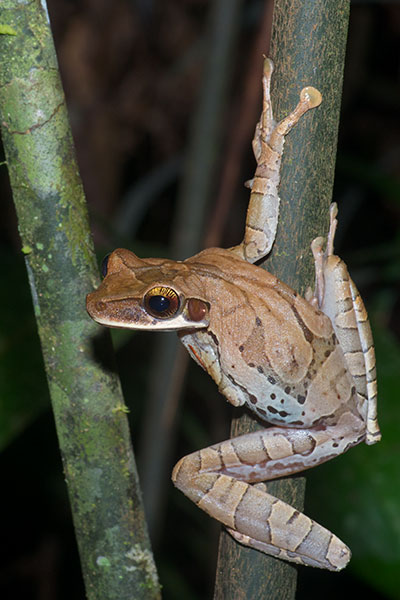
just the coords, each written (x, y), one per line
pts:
(218, 479)
(268, 142)
(337, 296)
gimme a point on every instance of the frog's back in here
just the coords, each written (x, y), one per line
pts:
(276, 351)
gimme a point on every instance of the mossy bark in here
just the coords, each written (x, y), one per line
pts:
(88, 407)
(308, 48)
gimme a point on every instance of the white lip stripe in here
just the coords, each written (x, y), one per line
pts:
(164, 325)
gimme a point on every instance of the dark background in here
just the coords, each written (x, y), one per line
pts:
(132, 71)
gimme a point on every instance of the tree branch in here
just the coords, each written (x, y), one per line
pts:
(308, 48)
(88, 407)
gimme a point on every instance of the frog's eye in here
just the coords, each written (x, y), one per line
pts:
(104, 264)
(161, 302)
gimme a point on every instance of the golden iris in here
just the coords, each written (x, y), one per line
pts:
(161, 302)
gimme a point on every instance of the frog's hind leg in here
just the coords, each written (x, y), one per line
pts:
(337, 296)
(259, 520)
(219, 480)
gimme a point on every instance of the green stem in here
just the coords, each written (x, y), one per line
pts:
(308, 48)
(88, 407)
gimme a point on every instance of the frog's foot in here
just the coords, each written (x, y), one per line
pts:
(310, 297)
(333, 211)
(266, 122)
(310, 98)
(267, 130)
(317, 298)
(320, 259)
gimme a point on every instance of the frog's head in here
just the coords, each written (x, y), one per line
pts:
(148, 294)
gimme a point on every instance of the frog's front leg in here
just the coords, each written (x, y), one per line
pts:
(337, 296)
(268, 142)
(218, 479)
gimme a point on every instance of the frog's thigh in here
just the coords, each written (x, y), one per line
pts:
(279, 451)
(269, 453)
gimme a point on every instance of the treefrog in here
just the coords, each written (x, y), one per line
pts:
(305, 366)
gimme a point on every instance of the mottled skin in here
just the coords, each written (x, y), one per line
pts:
(306, 367)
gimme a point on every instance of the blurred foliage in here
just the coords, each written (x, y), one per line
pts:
(131, 71)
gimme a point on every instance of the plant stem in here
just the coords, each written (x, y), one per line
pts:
(89, 412)
(308, 48)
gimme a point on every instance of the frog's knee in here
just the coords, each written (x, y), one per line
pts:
(185, 469)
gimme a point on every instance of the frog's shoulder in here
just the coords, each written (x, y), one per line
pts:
(230, 267)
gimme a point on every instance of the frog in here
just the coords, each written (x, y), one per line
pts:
(304, 365)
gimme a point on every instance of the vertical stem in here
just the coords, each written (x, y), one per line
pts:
(308, 48)
(91, 423)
